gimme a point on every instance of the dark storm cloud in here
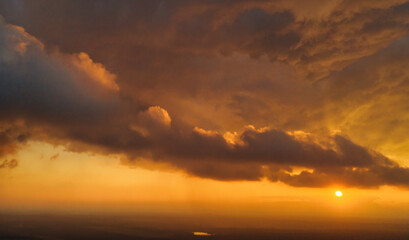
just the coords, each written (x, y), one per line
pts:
(316, 45)
(64, 94)
(50, 86)
(275, 146)
(273, 153)
(173, 47)
(215, 59)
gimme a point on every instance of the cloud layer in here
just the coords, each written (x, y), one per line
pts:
(239, 90)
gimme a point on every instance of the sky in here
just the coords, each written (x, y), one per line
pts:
(221, 106)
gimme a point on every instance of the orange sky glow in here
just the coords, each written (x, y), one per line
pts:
(246, 108)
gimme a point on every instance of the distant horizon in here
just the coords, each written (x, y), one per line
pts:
(139, 226)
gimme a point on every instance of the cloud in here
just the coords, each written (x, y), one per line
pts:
(12, 138)
(188, 76)
(156, 115)
(51, 88)
(367, 99)
(54, 157)
(316, 38)
(8, 164)
(274, 153)
(364, 178)
(95, 71)
(63, 86)
(220, 64)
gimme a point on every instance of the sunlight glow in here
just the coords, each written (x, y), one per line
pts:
(202, 234)
(338, 193)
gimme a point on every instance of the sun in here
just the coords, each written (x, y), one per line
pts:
(338, 193)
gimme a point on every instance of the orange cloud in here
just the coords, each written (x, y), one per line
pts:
(95, 71)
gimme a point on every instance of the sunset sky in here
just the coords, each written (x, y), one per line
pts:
(261, 108)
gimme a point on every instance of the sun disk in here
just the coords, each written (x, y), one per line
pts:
(338, 193)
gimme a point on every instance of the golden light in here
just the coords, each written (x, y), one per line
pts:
(338, 193)
(202, 234)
